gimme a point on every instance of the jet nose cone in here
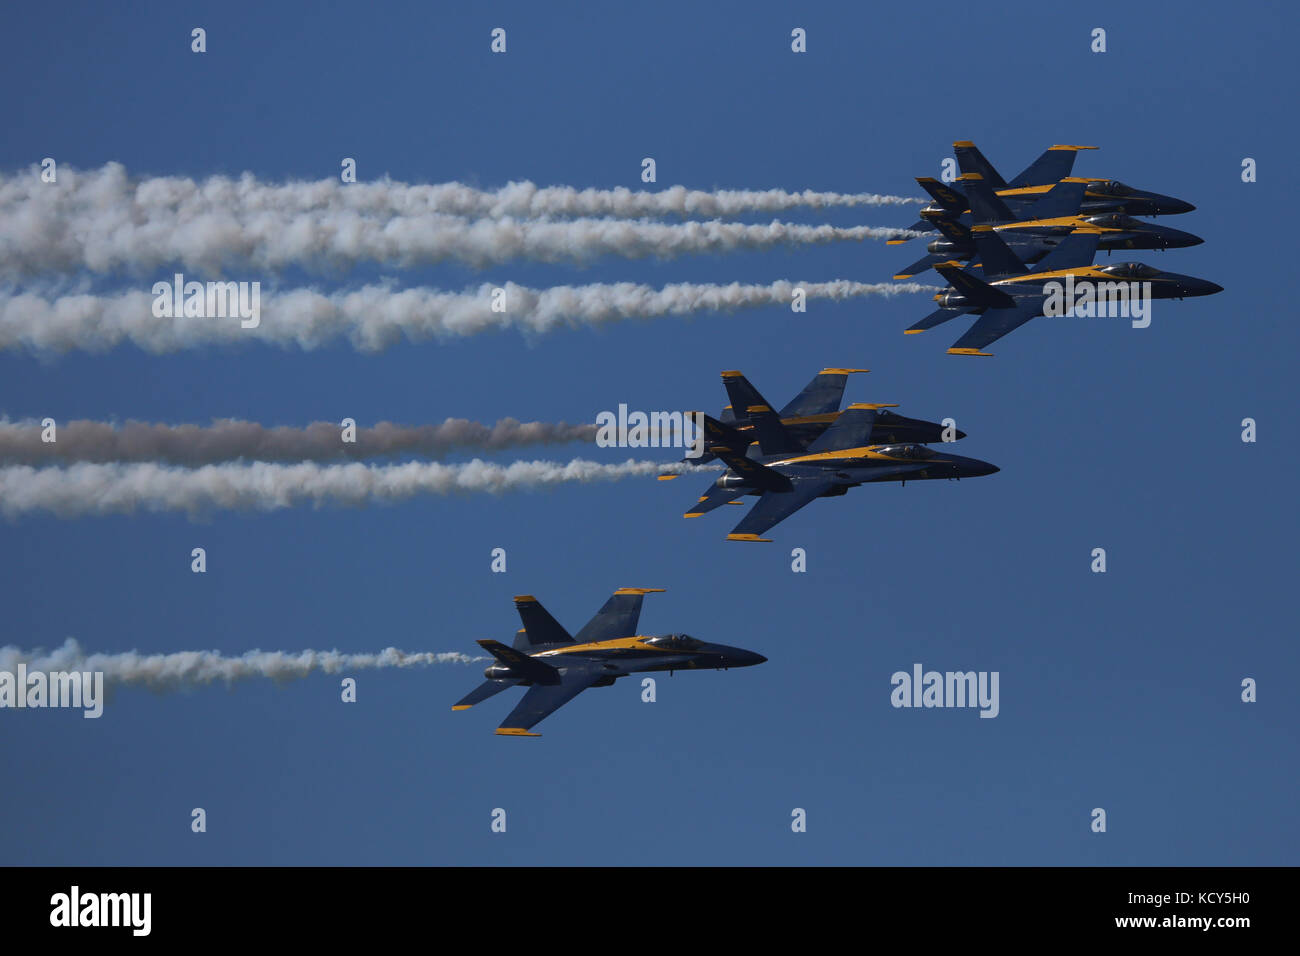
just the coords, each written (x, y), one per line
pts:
(748, 659)
(1177, 239)
(1204, 287)
(1180, 207)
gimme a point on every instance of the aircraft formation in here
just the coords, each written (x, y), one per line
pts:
(1008, 250)
(1006, 244)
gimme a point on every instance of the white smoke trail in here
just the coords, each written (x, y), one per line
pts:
(101, 221)
(166, 672)
(90, 489)
(246, 196)
(230, 439)
(376, 317)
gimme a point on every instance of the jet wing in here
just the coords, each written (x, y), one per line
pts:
(542, 700)
(775, 506)
(994, 324)
(937, 317)
(482, 692)
(618, 617)
(713, 497)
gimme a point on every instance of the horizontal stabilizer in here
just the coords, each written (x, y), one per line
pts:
(978, 293)
(521, 665)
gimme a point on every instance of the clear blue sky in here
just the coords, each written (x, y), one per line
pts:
(1118, 690)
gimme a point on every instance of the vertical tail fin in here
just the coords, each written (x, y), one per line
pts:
(1053, 166)
(1063, 199)
(617, 617)
(971, 160)
(773, 438)
(948, 199)
(995, 255)
(1075, 250)
(822, 395)
(985, 206)
(539, 627)
(741, 394)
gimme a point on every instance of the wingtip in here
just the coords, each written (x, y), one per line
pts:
(955, 351)
(747, 537)
(515, 732)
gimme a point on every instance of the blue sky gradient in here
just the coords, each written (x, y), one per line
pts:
(1118, 690)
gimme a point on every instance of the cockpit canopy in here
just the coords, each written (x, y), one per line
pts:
(678, 642)
(1114, 220)
(1110, 187)
(1130, 270)
(908, 450)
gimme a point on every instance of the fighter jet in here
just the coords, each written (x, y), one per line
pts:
(1020, 293)
(1021, 193)
(839, 459)
(556, 667)
(811, 412)
(1054, 216)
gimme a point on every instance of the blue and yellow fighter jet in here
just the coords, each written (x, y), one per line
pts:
(556, 667)
(1021, 193)
(840, 458)
(811, 412)
(1054, 216)
(1010, 294)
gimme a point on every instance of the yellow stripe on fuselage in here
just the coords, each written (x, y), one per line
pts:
(617, 644)
(1062, 222)
(864, 451)
(1038, 190)
(1079, 272)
